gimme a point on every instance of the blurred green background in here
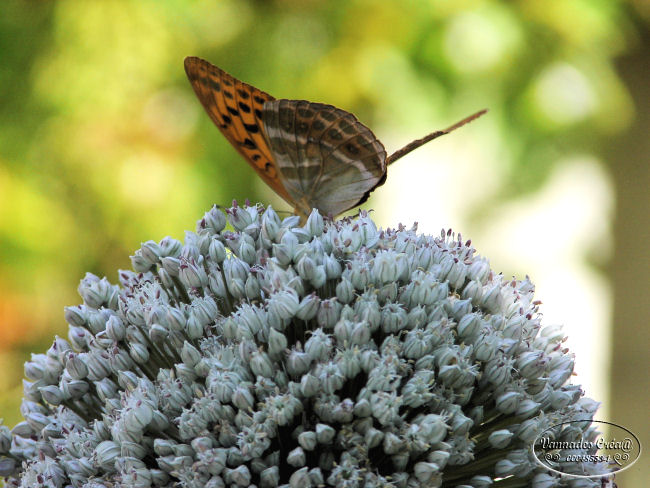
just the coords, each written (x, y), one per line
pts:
(103, 146)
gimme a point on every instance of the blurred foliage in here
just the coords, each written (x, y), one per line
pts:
(103, 145)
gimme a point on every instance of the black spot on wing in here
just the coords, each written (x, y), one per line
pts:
(305, 113)
(329, 116)
(334, 134)
(249, 144)
(243, 93)
(352, 149)
(244, 107)
(286, 119)
(252, 128)
(346, 127)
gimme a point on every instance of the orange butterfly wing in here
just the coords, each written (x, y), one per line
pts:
(236, 109)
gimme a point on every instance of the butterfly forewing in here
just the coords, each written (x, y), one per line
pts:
(327, 159)
(236, 109)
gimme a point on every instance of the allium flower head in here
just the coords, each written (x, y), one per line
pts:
(278, 355)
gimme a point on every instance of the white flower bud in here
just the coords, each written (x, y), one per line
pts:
(385, 406)
(37, 421)
(324, 434)
(239, 217)
(270, 477)
(52, 394)
(439, 458)
(498, 370)
(260, 364)
(74, 388)
(373, 437)
(331, 378)
(305, 267)
(500, 439)
(192, 274)
(332, 267)
(217, 251)
(561, 369)
(544, 480)
(359, 275)
(508, 403)
(393, 318)
(309, 385)
(426, 472)
(504, 467)
(284, 304)
(384, 268)
(139, 353)
(190, 355)
(246, 251)
(316, 477)
(213, 220)
(171, 265)
(360, 334)
(308, 307)
(481, 481)
(328, 313)
(479, 270)
(194, 327)
(151, 252)
(473, 291)
(392, 444)
(300, 479)
(343, 412)
(5, 439)
(105, 455)
(527, 408)
(319, 277)
(307, 440)
(158, 333)
(469, 325)
(492, 299)
(315, 223)
(297, 458)
(242, 398)
(277, 342)
(133, 449)
(170, 247)
(345, 291)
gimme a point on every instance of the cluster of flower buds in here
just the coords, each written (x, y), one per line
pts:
(268, 354)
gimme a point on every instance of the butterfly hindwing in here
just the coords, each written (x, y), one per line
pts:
(236, 109)
(327, 159)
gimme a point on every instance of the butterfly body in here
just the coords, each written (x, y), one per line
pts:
(313, 155)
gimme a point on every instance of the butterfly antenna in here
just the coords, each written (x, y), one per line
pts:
(430, 137)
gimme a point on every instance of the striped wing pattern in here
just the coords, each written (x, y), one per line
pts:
(327, 159)
(236, 109)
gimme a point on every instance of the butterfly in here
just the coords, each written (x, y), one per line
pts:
(313, 155)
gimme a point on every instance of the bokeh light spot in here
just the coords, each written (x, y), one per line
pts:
(479, 41)
(564, 95)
